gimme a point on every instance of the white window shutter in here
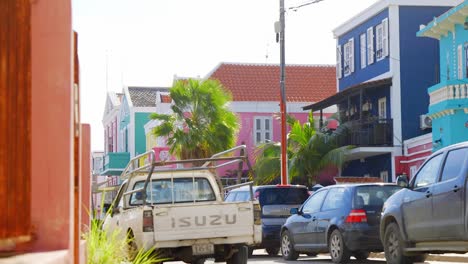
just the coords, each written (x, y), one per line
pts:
(351, 55)
(460, 61)
(379, 42)
(338, 62)
(362, 44)
(385, 37)
(370, 45)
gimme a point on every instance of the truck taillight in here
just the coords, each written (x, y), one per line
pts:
(357, 216)
(148, 221)
(257, 214)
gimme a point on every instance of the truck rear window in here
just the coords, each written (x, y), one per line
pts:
(373, 196)
(273, 196)
(182, 190)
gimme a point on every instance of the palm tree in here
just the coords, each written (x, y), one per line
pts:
(201, 123)
(309, 152)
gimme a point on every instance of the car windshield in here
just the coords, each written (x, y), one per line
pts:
(272, 196)
(183, 190)
(373, 196)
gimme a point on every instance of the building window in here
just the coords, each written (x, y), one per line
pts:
(385, 46)
(338, 62)
(370, 46)
(460, 61)
(263, 131)
(466, 59)
(349, 57)
(384, 176)
(379, 42)
(362, 44)
(383, 108)
(413, 170)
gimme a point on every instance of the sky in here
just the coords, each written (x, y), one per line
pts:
(148, 42)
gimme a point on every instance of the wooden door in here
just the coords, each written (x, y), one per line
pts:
(15, 124)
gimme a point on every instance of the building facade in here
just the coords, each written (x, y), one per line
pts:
(379, 79)
(448, 105)
(256, 95)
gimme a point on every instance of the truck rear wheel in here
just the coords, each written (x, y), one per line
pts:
(240, 257)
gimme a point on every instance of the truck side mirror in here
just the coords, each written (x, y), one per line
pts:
(402, 181)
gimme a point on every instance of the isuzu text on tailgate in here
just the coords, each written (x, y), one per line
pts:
(181, 211)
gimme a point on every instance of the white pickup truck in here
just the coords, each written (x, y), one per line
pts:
(181, 211)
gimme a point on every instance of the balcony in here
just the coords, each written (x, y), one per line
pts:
(115, 163)
(448, 95)
(367, 133)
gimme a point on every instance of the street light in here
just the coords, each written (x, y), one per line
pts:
(279, 29)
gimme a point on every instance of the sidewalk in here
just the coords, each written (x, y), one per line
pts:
(457, 258)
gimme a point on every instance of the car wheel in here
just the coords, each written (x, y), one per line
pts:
(393, 246)
(272, 251)
(338, 251)
(361, 255)
(240, 257)
(287, 247)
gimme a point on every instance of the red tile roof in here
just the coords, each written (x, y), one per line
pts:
(260, 82)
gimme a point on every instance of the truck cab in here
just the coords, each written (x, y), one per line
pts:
(181, 213)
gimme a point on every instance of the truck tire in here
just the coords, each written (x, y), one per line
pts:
(131, 247)
(394, 246)
(240, 257)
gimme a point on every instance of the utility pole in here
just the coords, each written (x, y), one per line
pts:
(284, 143)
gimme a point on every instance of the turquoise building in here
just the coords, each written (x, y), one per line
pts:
(124, 120)
(448, 106)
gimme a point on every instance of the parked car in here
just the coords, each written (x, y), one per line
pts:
(276, 202)
(340, 219)
(430, 214)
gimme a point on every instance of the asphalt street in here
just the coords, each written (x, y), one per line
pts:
(261, 258)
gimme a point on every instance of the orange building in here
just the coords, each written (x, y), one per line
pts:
(44, 150)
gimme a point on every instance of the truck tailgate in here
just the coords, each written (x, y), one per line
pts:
(198, 221)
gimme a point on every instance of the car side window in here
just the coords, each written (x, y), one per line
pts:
(242, 196)
(231, 197)
(427, 175)
(335, 199)
(454, 163)
(118, 202)
(314, 203)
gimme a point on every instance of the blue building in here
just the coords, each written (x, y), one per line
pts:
(382, 81)
(448, 107)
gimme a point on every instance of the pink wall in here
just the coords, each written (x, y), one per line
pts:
(52, 159)
(85, 203)
(246, 133)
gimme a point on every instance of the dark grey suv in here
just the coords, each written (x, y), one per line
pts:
(431, 214)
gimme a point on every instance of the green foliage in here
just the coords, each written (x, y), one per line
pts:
(309, 152)
(201, 124)
(105, 247)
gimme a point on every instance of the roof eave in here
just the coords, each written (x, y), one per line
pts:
(381, 5)
(445, 23)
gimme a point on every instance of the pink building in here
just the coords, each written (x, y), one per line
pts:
(256, 95)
